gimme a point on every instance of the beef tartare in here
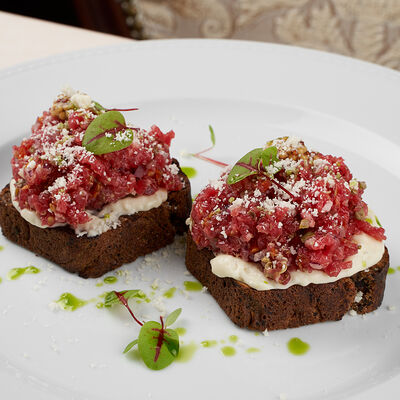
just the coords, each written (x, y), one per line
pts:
(299, 212)
(91, 192)
(60, 179)
(283, 239)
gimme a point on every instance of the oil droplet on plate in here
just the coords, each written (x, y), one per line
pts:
(110, 280)
(186, 352)
(15, 273)
(209, 343)
(180, 331)
(69, 302)
(228, 351)
(297, 347)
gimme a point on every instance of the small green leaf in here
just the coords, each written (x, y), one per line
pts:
(212, 134)
(98, 106)
(130, 345)
(111, 298)
(106, 134)
(239, 172)
(173, 317)
(269, 156)
(148, 339)
(377, 221)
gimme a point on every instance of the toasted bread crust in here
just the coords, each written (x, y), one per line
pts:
(138, 234)
(292, 307)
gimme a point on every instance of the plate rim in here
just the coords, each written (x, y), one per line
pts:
(154, 43)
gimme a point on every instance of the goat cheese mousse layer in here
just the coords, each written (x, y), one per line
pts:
(84, 167)
(294, 218)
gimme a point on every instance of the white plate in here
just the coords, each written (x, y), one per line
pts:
(249, 92)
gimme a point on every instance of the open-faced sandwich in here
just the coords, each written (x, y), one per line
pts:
(284, 239)
(90, 192)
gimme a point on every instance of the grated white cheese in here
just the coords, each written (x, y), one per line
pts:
(81, 100)
(68, 90)
(217, 184)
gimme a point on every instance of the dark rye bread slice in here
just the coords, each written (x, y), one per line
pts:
(292, 307)
(138, 234)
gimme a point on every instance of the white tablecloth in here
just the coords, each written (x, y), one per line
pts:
(23, 39)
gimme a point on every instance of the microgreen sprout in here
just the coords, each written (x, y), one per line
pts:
(200, 155)
(254, 162)
(108, 133)
(158, 346)
(99, 107)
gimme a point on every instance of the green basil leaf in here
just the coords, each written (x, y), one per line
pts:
(269, 156)
(212, 134)
(239, 172)
(130, 345)
(173, 317)
(106, 134)
(148, 339)
(111, 298)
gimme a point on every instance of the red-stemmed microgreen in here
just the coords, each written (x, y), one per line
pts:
(111, 298)
(122, 109)
(107, 133)
(157, 345)
(255, 162)
(200, 156)
(122, 299)
(99, 107)
(210, 160)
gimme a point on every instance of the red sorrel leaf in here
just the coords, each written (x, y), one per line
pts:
(149, 346)
(107, 133)
(246, 166)
(269, 156)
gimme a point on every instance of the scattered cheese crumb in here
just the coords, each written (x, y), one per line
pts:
(54, 306)
(358, 297)
(155, 284)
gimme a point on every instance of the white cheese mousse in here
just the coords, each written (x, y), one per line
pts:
(370, 252)
(100, 221)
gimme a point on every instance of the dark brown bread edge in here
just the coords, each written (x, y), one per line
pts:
(292, 307)
(138, 234)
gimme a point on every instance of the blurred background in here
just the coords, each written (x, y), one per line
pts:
(366, 29)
